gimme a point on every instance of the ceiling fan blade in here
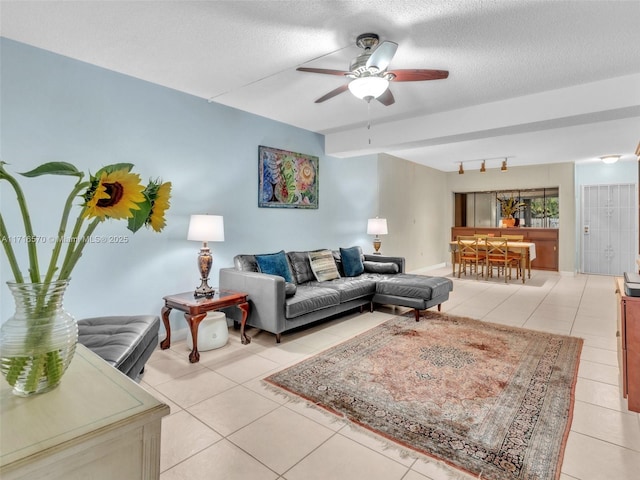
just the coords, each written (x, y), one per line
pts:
(418, 75)
(333, 93)
(386, 98)
(323, 70)
(382, 55)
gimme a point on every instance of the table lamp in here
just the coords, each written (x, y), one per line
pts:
(377, 226)
(205, 228)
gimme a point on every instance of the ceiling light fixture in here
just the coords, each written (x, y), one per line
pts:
(609, 159)
(483, 168)
(367, 88)
(461, 169)
(503, 168)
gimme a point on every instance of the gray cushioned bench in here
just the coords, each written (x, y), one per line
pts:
(125, 342)
(414, 291)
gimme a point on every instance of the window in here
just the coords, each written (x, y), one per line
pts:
(482, 209)
(542, 209)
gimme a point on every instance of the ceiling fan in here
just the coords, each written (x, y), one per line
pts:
(369, 75)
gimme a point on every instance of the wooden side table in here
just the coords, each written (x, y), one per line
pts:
(195, 310)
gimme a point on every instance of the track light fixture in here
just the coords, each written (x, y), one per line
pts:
(483, 164)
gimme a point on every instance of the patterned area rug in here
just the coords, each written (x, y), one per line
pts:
(494, 401)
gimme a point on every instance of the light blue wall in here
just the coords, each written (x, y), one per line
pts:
(598, 173)
(55, 108)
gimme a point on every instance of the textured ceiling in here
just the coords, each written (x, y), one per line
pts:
(535, 81)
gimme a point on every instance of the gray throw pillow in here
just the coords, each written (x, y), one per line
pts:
(301, 267)
(246, 263)
(381, 267)
(290, 289)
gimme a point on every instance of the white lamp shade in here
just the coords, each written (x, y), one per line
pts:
(206, 228)
(377, 226)
(364, 87)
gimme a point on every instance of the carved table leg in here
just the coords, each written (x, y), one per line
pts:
(166, 343)
(244, 338)
(194, 322)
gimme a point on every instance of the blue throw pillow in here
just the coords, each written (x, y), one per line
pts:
(351, 261)
(275, 264)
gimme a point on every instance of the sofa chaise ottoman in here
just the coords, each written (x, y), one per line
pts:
(415, 291)
(287, 290)
(125, 342)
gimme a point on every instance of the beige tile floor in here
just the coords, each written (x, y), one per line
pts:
(224, 424)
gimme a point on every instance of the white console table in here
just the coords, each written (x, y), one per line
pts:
(97, 424)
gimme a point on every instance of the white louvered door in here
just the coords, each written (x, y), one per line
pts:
(609, 229)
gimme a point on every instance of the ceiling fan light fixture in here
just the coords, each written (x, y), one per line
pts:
(368, 87)
(503, 168)
(609, 159)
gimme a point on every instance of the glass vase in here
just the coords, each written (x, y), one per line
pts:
(38, 342)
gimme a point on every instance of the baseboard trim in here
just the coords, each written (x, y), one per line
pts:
(429, 268)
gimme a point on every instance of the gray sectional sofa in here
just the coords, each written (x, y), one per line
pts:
(292, 289)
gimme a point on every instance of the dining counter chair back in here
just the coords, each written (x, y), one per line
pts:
(482, 236)
(456, 251)
(498, 258)
(516, 257)
(514, 238)
(471, 252)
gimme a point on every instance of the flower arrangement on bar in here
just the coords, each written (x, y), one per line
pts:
(510, 206)
(38, 342)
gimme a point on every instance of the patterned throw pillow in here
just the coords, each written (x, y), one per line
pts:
(351, 261)
(323, 265)
(275, 264)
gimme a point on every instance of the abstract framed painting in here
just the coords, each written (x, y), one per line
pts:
(287, 179)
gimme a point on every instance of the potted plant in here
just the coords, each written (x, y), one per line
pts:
(509, 206)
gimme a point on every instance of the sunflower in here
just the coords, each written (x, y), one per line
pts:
(159, 205)
(113, 194)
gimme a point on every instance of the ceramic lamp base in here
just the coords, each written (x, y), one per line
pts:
(205, 260)
(376, 246)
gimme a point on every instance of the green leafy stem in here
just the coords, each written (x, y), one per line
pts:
(38, 362)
